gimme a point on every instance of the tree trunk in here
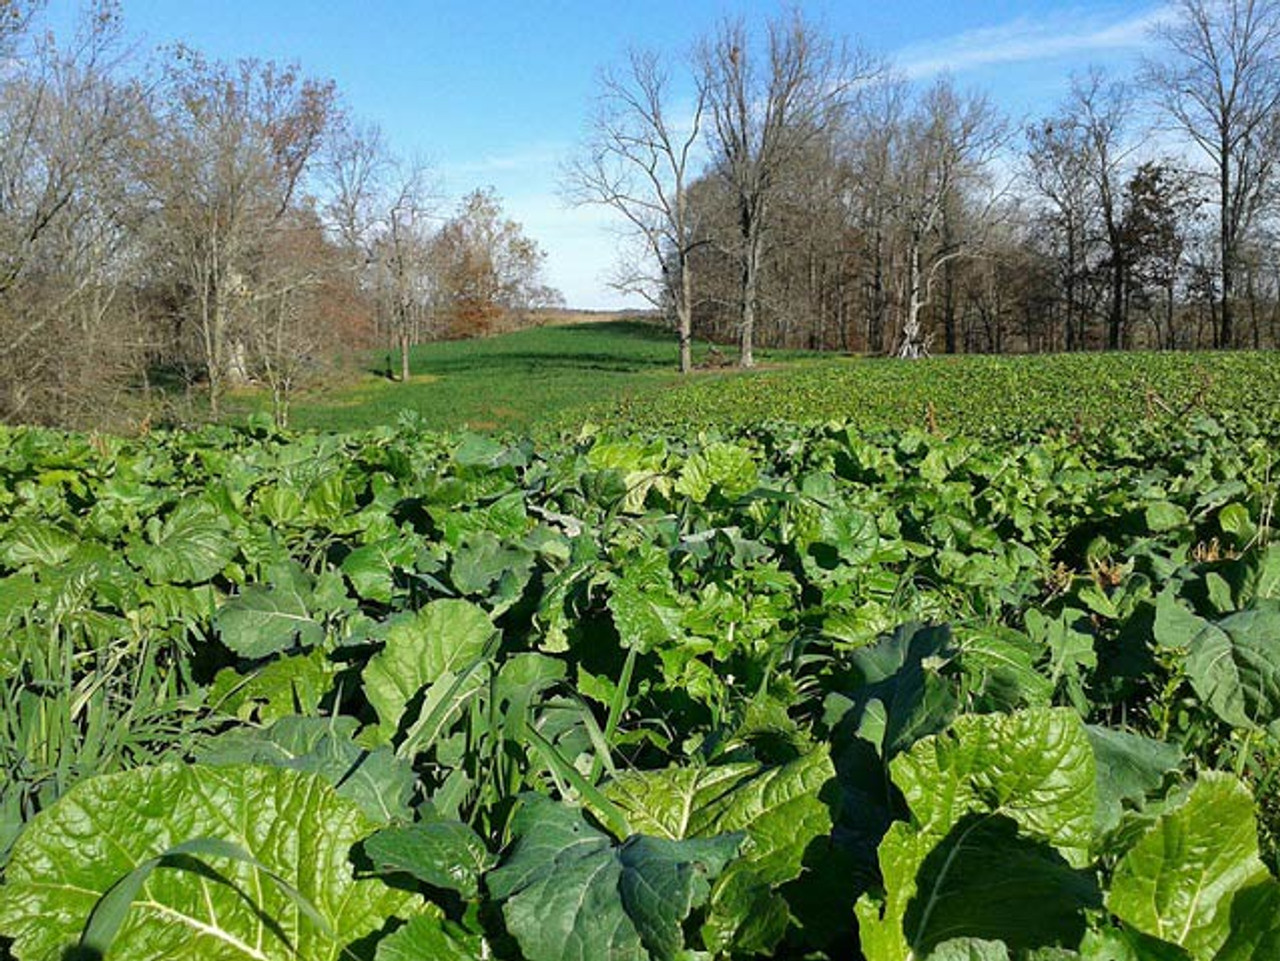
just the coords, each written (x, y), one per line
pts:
(1255, 322)
(1115, 320)
(912, 341)
(949, 306)
(404, 355)
(875, 324)
(684, 317)
(1071, 291)
(750, 295)
(1224, 332)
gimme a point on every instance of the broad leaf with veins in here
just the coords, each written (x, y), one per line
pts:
(217, 909)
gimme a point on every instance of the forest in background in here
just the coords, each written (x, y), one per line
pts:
(808, 195)
(173, 226)
(176, 222)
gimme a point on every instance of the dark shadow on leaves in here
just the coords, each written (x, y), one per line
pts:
(985, 880)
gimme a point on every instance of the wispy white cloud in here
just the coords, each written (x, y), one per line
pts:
(1029, 39)
(530, 157)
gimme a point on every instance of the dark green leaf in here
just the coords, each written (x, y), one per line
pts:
(444, 854)
(570, 894)
(1129, 768)
(267, 619)
(443, 637)
(1234, 665)
(190, 547)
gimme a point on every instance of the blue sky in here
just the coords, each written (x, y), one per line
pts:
(496, 93)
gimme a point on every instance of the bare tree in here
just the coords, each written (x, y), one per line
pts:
(1059, 165)
(1219, 83)
(381, 210)
(354, 171)
(1076, 167)
(402, 255)
(229, 151)
(873, 150)
(1104, 109)
(66, 118)
(637, 160)
(295, 324)
(949, 141)
(15, 20)
(767, 108)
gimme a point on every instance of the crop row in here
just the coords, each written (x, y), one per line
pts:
(1006, 396)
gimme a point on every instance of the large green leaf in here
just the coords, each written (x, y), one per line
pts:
(986, 880)
(484, 565)
(1126, 944)
(647, 610)
(190, 546)
(1255, 925)
(372, 568)
(378, 781)
(1179, 881)
(507, 518)
(640, 466)
(1163, 516)
(1002, 671)
(779, 809)
(443, 637)
(1022, 783)
(838, 543)
(268, 618)
(1234, 665)
(1129, 767)
(36, 543)
(722, 468)
(429, 937)
(1036, 767)
(291, 825)
(17, 597)
(444, 854)
(904, 694)
(970, 949)
(570, 893)
(280, 687)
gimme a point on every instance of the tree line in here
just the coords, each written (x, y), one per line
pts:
(179, 221)
(176, 222)
(786, 188)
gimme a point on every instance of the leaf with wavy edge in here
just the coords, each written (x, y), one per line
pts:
(441, 638)
(445, 854)
(571, 894)
(1179, 881)
(429, 937)
(191, 545)
(779, 809)
(219, 909)
(1035, 768)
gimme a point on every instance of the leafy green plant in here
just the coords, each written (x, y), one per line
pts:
(273, 881)
(760, 676)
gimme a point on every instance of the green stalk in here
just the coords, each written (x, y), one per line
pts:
(617, 706)
(608, 812)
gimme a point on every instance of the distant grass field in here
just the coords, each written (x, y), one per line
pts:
(621, 374)
(505, 383)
